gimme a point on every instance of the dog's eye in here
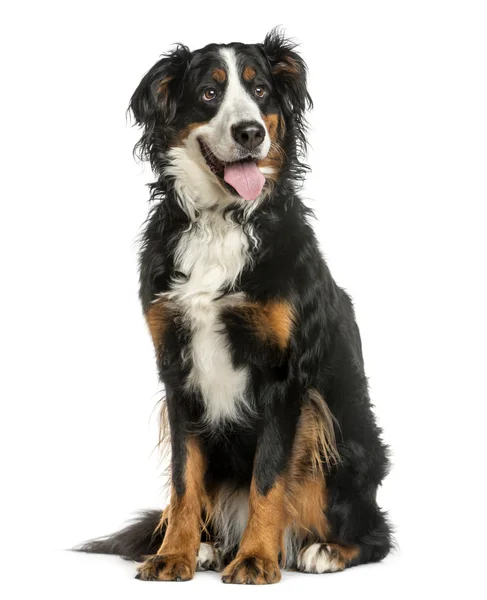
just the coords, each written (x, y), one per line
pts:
(209, 95)
(260, 91)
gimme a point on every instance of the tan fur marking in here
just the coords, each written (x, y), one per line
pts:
(314, 447)
(272, 321)
(305, 504)
(164, 518)
(320, 423)
(189, 129)
(176, 558)
(157, 317)
(347, 553)
(263, 535)
(257, 559)
(271, 121)
(306, 485)
(249, 73)
(275, 158)
(280, 320)
(219, 75)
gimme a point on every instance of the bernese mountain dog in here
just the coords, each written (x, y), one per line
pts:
(276, 455)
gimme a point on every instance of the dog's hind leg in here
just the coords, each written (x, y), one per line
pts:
(366, 538)
(331, 531)
(357, 529)
(336, 522)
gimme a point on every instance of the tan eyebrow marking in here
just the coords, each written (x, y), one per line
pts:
(249, 73)
(219, 75)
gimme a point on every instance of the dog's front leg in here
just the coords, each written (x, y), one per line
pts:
(176, 558)
(257, 561)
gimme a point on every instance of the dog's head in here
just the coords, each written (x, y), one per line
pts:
(224, 123)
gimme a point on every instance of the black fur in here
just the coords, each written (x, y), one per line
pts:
(324, 352)
(139, 538)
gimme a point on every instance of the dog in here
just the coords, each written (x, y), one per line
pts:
(276, 455)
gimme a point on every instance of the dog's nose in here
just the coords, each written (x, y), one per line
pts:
(250, 134)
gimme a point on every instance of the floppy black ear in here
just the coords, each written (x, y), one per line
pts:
(154, 102)
(290, 74)
(289, 71)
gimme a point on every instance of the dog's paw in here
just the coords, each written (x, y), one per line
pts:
(320, 558)
(209, 558)
(166, 567)
(252, 570)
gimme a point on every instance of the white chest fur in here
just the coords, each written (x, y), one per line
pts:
(212, 255)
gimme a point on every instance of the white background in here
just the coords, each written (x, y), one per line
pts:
(399, 155)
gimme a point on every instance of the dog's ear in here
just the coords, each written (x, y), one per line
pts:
(154, 102)
(289, 72)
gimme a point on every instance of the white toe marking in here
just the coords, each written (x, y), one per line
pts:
(318, 558)
(206, 556)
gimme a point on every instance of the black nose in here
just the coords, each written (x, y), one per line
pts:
(250, 134)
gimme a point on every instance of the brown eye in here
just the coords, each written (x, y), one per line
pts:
(259, 91)
(209, 95)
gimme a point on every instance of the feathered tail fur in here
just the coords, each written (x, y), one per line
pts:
(140, 538)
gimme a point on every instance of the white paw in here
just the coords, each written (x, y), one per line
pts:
(208, 558)
(320, 558)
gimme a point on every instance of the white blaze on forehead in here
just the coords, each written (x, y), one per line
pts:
(237, 104)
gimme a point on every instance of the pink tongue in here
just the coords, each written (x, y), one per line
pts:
(246, 178)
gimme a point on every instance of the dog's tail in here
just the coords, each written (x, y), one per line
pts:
(140, 538)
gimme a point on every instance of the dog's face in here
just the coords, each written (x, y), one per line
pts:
(219, 121)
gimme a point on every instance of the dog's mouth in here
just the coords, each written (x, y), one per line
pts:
(242, 177)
